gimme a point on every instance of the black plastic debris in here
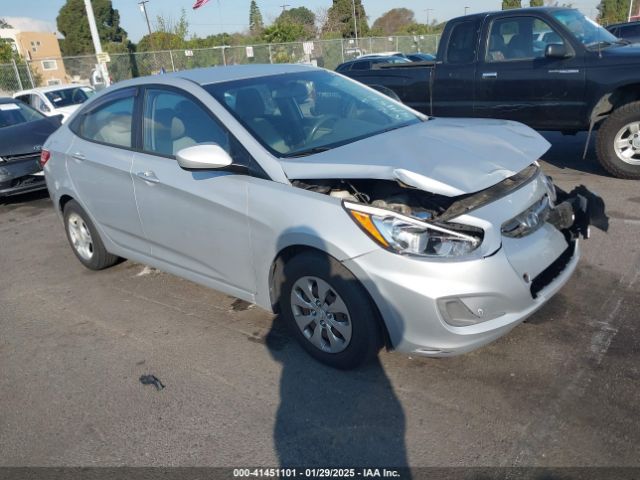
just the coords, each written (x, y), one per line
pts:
(151, 380)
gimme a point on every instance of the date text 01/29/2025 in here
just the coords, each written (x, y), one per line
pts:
(316, 472)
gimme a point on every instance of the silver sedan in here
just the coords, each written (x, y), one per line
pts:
(363, 223)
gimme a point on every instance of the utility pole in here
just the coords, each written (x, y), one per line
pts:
(428, 10)
(96, 42)
(143, 9)
(284, 7)
(630, 10)
(466, 10)
(355, 20)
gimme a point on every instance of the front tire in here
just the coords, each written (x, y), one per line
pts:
(618, 143)
(84, 239)
(328, 311)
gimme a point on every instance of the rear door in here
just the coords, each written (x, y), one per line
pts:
(194, 221)
(453, 86)
(515, 80)
(99, 164)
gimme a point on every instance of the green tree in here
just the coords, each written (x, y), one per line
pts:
(340, 19)
(394, 21)
(160, 41)
(508, 4)
(73, 24)
(300, 15)
(283, 32)
(613, 11)
(536, 3)
(256, 24)
(4, 24)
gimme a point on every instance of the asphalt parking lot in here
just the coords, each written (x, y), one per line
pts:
(560, 390)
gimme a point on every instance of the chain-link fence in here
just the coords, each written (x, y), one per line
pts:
(15, 76)
(323, 53)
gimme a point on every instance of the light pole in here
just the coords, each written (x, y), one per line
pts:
(630, 10)
(466, 10)
(355, 21)
(102, 66)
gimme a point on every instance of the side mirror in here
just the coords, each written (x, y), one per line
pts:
(57, 119)
(557, 50)
(203, 157)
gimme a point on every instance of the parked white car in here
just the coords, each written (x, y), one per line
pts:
(55, 100)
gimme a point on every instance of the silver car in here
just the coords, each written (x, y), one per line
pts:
(363, 223)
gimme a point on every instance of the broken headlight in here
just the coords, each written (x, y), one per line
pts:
(407, 235)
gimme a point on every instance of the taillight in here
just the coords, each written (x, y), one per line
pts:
(45, 155)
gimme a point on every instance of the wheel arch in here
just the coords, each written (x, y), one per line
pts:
(290, 251)
(613, 100)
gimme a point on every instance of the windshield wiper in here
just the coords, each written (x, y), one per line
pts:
(306, 153)
(600, 44)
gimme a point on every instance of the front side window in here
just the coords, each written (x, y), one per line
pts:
(173, 121)
(520, 38)
(462, 43)
(299, 114)
(110, 123)
(14, 113)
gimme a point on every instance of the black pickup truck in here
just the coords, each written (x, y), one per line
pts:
(550, 68)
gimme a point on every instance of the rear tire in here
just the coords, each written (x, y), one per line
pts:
(618, 143)
(328, 311)
(84, 239)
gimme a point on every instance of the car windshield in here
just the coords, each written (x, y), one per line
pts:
(15, 113)
(295, 115)
(584, 29)
(66, 97)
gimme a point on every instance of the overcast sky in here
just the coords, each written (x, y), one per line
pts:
(233, 15)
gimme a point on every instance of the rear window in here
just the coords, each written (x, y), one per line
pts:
(462, 43)
(14, 113)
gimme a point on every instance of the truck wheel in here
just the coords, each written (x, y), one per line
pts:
(84, 239)
(328, 311)
(618, 144)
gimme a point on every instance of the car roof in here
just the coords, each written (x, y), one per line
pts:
(622, 24)
(511, 11)
(206, 76)
(50, 88)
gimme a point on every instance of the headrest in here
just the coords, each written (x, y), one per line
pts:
(249, 103)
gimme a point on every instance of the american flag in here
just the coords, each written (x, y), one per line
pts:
(199, 3)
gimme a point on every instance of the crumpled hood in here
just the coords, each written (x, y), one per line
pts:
(447, 156)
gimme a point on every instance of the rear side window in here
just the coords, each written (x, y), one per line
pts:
(344, 67)
(462, 43)
(110, 123)
(629, 31)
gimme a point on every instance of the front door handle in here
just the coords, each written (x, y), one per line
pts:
(489, 75)
(149, 176)
(78, 156)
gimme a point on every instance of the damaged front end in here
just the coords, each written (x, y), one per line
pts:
(408, 220)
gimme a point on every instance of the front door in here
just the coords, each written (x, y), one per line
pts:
(516, 81)
(195, 221)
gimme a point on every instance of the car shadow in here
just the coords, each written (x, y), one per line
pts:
(25, 197)
(567, 150)
(329, 417)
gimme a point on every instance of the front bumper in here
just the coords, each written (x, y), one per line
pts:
(406, 291)
(21, 175)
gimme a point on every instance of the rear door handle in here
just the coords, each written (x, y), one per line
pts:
(78, 156)
(489, 75)
(149, 176)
